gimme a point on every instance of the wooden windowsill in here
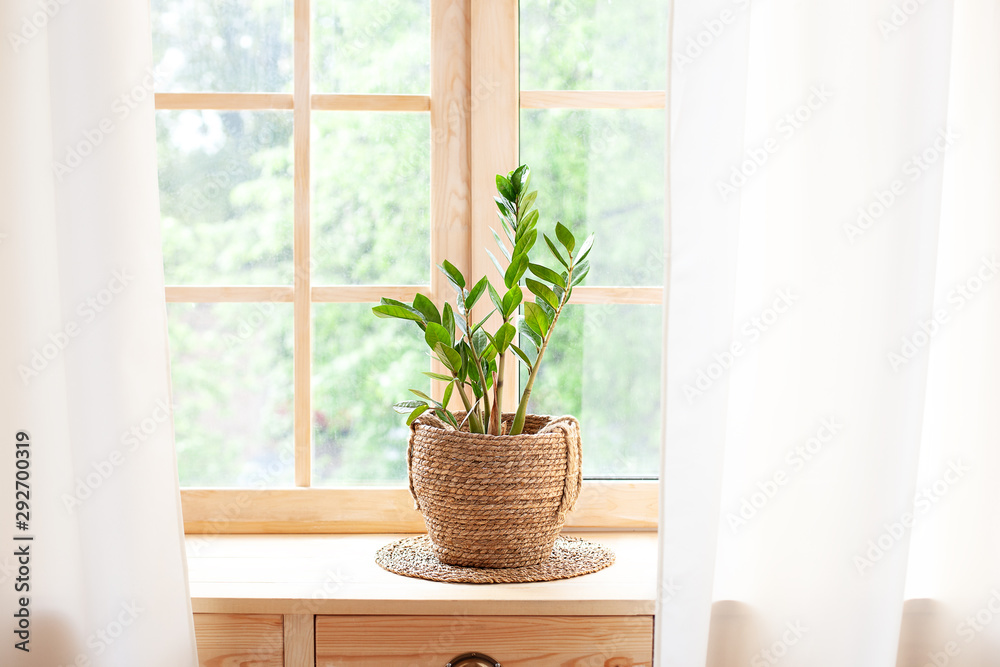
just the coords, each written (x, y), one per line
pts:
(603, 505)
(337, 574)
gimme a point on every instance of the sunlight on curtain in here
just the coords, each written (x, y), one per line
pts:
(830, 466)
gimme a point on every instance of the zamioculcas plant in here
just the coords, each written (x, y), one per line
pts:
(475, 357)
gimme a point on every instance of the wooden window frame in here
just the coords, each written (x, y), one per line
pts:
(474, 106)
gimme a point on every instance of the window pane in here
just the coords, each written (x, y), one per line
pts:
(226, 196)
(593, 44)
(371, 198)
(232, 385)
(601, 172)
(219, 46)
(371, 47)
(603, 367)
(362, 365)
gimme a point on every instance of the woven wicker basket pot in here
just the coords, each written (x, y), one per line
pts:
(494, 501)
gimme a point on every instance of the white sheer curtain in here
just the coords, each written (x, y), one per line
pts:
(83, 348)
(831, 469)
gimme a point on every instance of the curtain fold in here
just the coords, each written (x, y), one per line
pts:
(830, 457)
(83, 347)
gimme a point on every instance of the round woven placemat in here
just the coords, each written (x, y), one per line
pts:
(571, 557)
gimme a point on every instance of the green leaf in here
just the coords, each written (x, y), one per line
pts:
(448, 321)
(525, 243)
(555, 251)
(511, 300)
(584, 269)
(495, 298)
(454, 275)
(496, 262)
(426, 308)
(483, 321)
(503, 247)
(524, 356)
(398, 312)
(463, 350)
(405, 406)
(515, 271)
(508, 228)
(547, 274)
(437, 376)
(504, 188)
(524, 206)
(437, 334)
(535, 318)
(542, 291)
(527, 331)
(449, 357)
(530, 220)
(526, 226)
(507, 211)
(518, 179)
(447, 394)
(585, 249)
(417, 411)
(474, 378)
(446, 416)
(424, 396)
(550, 312)
(505, 334)
(565, 237)
(479, 341)
(475, 293)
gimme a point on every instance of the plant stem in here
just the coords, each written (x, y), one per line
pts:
(486, 410)
(522, 408)
(475, 424)
(496, 418)
(485, 415)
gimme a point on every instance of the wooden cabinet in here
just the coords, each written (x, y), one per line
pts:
(272, 640)
(239, 640)
(514, 641)
(321, 601)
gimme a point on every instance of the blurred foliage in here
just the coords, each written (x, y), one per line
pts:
(226, 197)
(231, 369)
(222, 45)
(380, 46)
(371, 198)
(593, 44)
(226, 203)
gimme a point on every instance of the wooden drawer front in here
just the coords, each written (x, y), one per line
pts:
(239, 640)
(514, 641)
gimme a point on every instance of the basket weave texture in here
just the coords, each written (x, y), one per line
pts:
(494, 501)
(571, 557)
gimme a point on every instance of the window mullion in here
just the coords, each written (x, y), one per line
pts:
(451, 210)
(494, 135)
(301, 249)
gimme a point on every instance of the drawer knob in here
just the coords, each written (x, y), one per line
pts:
(472, 660)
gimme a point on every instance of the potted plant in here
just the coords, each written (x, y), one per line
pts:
(494, 486)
